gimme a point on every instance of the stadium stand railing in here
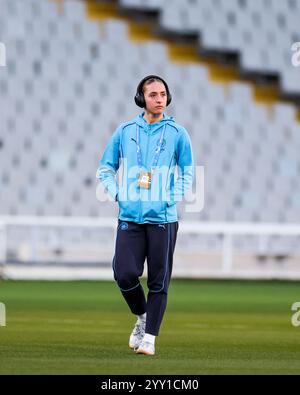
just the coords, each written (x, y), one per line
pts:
(33, 258)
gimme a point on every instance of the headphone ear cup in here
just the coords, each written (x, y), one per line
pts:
(169, 98)
(139, 100)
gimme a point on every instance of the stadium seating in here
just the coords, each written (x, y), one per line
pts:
(241, 26)
(70, 81)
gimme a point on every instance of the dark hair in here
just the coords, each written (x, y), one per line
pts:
(149, 81)
(139, 96)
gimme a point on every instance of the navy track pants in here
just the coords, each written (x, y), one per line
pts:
(134, 243)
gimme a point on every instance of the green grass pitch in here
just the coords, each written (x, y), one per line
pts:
(210, 327)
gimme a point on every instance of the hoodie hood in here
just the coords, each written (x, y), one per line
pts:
(152, 127)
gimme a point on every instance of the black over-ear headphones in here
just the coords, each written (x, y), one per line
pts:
(139, 97)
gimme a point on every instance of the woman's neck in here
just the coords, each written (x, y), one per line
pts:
(153, 118)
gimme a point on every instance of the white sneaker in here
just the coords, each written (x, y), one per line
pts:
(146, 348)
(137, 334)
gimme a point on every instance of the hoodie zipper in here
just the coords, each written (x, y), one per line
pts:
(140, 216)
(146, 160)
(170, 164)
(140, 205)
(145, 163)
(146, 166)
(147, 150)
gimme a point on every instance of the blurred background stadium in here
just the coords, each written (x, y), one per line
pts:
(72, 68)
(68, 75)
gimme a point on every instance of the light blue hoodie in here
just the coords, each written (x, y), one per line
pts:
(157, 204)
